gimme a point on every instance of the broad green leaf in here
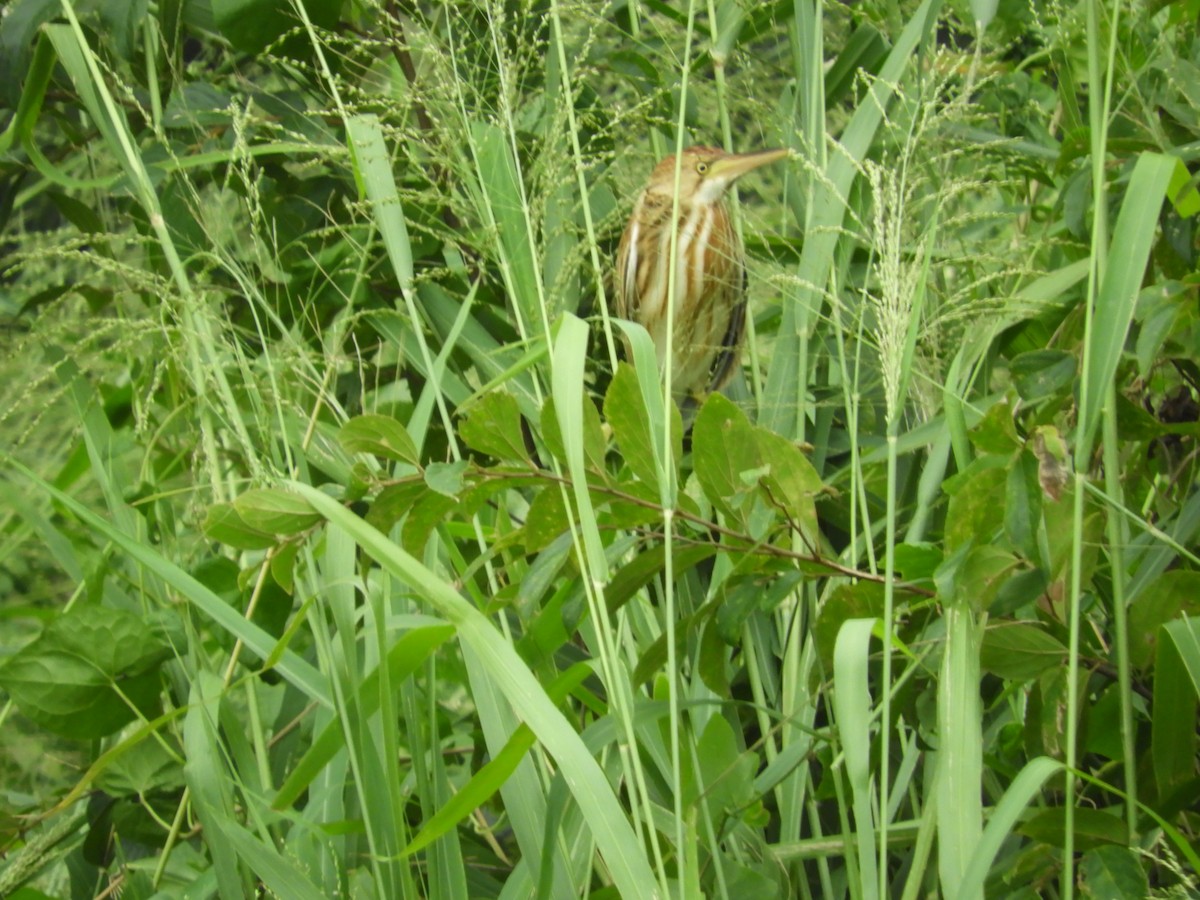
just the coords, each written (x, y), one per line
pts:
(548, 517)
(446, 478)
(1023, 504)
(394, 502)
(380, 436)
(493, 427)
(1176, 694)
(1093, 827)
(302, 674)
(742, 597)
(250, 25)
(1042, 373)
(275, 511)
(1020, 651)
(982, 573)
(1110, 871)
(625, 411)
(225, 524)
(88, 673)
(862, 599)
(648, 564)
(791, 481)
(727, 772)
(996, 432)
(724, 446)
(1170, 594)
(976, 496)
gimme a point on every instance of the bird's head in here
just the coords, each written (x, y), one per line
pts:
(707, 172)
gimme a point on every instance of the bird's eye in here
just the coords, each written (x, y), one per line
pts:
(701, 167)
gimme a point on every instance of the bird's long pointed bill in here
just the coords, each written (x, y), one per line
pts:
(731, 168)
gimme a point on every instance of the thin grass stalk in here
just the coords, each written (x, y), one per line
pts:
(486, 208)
(635, 27)
(1098, 133)
(682, 849)
(581, 182)
(889, 612)
(510, 129)
(112, 124)
(323, 645)
(1118, 538)
(719, 54)
(569, 358)
(799, 654)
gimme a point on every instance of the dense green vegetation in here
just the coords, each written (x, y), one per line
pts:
(348, 551)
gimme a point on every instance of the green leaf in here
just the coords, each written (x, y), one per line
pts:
(1023, 504)
(724, 445)
(917, 562)
(1042, 373)
(981, 575)
(275, 511)
(647, 565)
(1110, 871)
(975, 498)
(1093, 827)
(1132, 238)
(996, 432)
(791, 480)
(493, 427)
(250, 25)
(223, 523)
(594, 444)
(446, 478)
(394, 502)
(1165, 598)
(548, 517)
(79, 677)
(727, 773)
(1176, 690)
(860, 600)
(742, 597)
(1020, 652)
(625, 411)
(380, 436)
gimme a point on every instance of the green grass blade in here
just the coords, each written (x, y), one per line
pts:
(614, 837)
(1128, 253)
(852, 704)
(1004, 819)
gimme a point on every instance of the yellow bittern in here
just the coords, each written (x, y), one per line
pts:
(709, 306)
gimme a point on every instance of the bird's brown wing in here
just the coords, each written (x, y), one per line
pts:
(731, 343)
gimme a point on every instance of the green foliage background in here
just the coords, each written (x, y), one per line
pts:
(347, 551)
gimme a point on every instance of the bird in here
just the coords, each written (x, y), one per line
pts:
(709, 306)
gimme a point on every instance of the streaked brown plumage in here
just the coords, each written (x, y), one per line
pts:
(710, 306)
